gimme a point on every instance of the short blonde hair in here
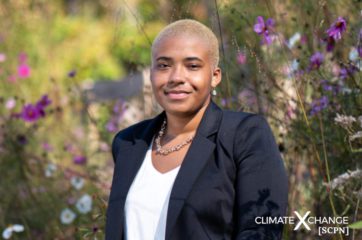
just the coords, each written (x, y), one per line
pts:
(191, 27)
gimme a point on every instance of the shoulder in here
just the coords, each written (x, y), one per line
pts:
(128, 133)
(126, 136)
(242, 120)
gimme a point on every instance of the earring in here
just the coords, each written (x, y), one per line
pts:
(213, 92)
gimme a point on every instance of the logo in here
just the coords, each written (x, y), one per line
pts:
(325, 225)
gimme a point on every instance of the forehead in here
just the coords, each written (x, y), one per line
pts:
(181, 46)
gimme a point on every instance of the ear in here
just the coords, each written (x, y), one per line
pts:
(216, 77)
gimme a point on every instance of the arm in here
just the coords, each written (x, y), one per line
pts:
(261, 184)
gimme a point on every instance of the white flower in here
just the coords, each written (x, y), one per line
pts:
(77, 182)
(356, 135)
(295, 65)
(344, 121)
(67, 216)
(360, 120)
(294, 39)
(84, 204)
(50, 169)
(10, 103)
(8, 232)
(353, 54)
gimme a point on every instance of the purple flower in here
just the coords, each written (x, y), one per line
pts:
(330, 43)
(318, 105)
(22, 139)
(337, 28)
(348, 71)
(30, 113)
(111, 126)
(316, 61)
(72, 74)
(79, 160)
(43, 102)
(264, 28)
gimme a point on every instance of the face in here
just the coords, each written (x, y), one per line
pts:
(182, 75)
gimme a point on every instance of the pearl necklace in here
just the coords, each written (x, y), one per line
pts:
(169, 150)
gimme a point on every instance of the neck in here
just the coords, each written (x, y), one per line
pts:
(185, 124)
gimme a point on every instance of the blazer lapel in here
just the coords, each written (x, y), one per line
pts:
(196, 158)
(135, 155)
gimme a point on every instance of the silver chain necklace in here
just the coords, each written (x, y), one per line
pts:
(169, 150)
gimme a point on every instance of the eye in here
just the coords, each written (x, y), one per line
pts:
(194, 66)
(162, 65)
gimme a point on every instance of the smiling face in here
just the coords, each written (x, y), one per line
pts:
(182, 74)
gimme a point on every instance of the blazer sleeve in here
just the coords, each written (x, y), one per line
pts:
(261, 182)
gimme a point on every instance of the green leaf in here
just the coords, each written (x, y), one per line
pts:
(356, 225)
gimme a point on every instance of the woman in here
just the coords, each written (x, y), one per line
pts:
(194, 171)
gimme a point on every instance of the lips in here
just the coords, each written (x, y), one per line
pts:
(177, 91)
(177, 94)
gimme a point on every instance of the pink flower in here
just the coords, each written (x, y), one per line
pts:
(12, 78)
(10, 104)
(24, 70)
(2, 57)
(22, 58)
(241, 58)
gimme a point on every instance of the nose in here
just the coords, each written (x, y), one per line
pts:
(177, 75)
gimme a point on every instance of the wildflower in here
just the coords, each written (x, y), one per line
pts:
(337, 28)
(77, 182)
(356, 135)
(43, 102)
(12, 78)
(8, 232)
(294, 39)
(241, 58)
(353, 54)
(84, 204)
(348, 71)
(10, 103)
(72, 74)
(330, 43)
(318, 105)
(79, 160)
(111, 126)
(2, 57)
(23, 57)
(344, 121)
(316, 60)
(67, 216)
(264, 28)
(50, 169)
(24, 70)
(22, 139)
(295, 65)
(47, 147)
(30, 113)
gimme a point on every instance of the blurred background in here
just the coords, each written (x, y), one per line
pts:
(75, 72)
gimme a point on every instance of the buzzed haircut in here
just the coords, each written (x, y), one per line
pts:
(191, 27)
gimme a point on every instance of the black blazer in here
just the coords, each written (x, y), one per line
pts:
(232, 173)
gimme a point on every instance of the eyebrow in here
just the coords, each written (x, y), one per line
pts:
(187, 59)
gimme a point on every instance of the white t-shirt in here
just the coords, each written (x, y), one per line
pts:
(147, 202)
